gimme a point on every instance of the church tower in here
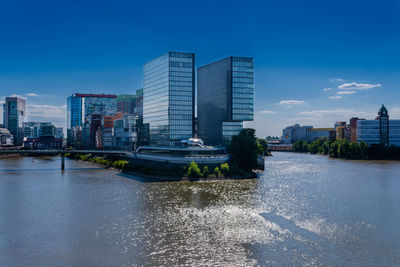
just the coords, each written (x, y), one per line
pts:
(383, 118)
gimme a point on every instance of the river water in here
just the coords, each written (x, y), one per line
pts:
(304, 210)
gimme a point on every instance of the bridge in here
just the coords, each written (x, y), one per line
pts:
(62, 153)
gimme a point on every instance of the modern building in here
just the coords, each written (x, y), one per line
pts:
(89, 131)
(6, 138)
(168, 98)
(139, 102)
(60, 132)
(379, 131)
(292, 134)
(339, 128)
(14, 115)
(43, 143)
(80, 108)
(47, 130)
(328, 133)
(42, 135)
(126, 104)
(296, 132)
(31, 129)
(126, 132)
(353, 129)
(225, 99)
(106, 133)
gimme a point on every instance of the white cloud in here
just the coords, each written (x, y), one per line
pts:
(339, 80)
(326, 89)
(31, 94)
(335, 97)
(267, 112)
(334, 112)
(394, 112)
(357, 86)
(346, 92)
(52, 113)
(15, 95)
(291, 102)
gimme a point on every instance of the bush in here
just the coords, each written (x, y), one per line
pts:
(205, 171)
(243, 149)
(217, 172)
(235, 170)
(225, 169)
(193, 170)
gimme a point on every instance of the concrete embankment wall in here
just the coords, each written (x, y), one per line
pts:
(8, 156)
(178, 160)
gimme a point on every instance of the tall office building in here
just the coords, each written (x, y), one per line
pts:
(139, 102)
(126, 104)
(14, 115)
(168, 98)
(225, 98)
(80, 108)
(379, 131)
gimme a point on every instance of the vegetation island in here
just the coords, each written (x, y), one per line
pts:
(244, 151)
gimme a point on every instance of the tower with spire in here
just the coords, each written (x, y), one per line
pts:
(383, 118)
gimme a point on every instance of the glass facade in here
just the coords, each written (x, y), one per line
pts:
(74, 117)
(14, 115)
(80, 108)
(368, 131)
(242, 89)
(225, 98)
(168, 98)
(99, 105)
(394, 132)
(74, 112)
(229, 129)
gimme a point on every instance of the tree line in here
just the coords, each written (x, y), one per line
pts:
(342, 148)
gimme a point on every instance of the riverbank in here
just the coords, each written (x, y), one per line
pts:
(343, 149)
(167, 172)
(9, 156)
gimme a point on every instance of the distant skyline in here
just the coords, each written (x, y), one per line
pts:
(315, 61)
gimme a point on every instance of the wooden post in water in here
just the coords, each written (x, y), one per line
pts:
(62, 161)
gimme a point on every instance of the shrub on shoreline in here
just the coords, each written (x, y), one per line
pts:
(345, 150)
(191, 171)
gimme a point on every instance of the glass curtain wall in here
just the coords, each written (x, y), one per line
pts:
(242, 89)
(168, 100)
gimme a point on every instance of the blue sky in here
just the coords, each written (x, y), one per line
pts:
(51, 49)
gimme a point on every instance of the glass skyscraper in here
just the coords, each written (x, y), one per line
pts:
(14, 115)
(168, 98)
(225, 98)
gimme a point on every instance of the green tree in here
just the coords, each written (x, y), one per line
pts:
(193, 170)
(363, 150)
(325, 148)
(333, 151)
(262, 146)
(243, 149)
(355, 152)
(217, 172)
(314, 147)
(344, 149)
(205, 171)
(225, 169)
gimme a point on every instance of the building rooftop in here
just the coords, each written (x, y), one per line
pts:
(94, 95)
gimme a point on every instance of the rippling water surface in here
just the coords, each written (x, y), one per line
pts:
(304, 210)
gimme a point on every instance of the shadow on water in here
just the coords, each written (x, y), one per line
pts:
(293, 244)
(284, 223)
(140, 179)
